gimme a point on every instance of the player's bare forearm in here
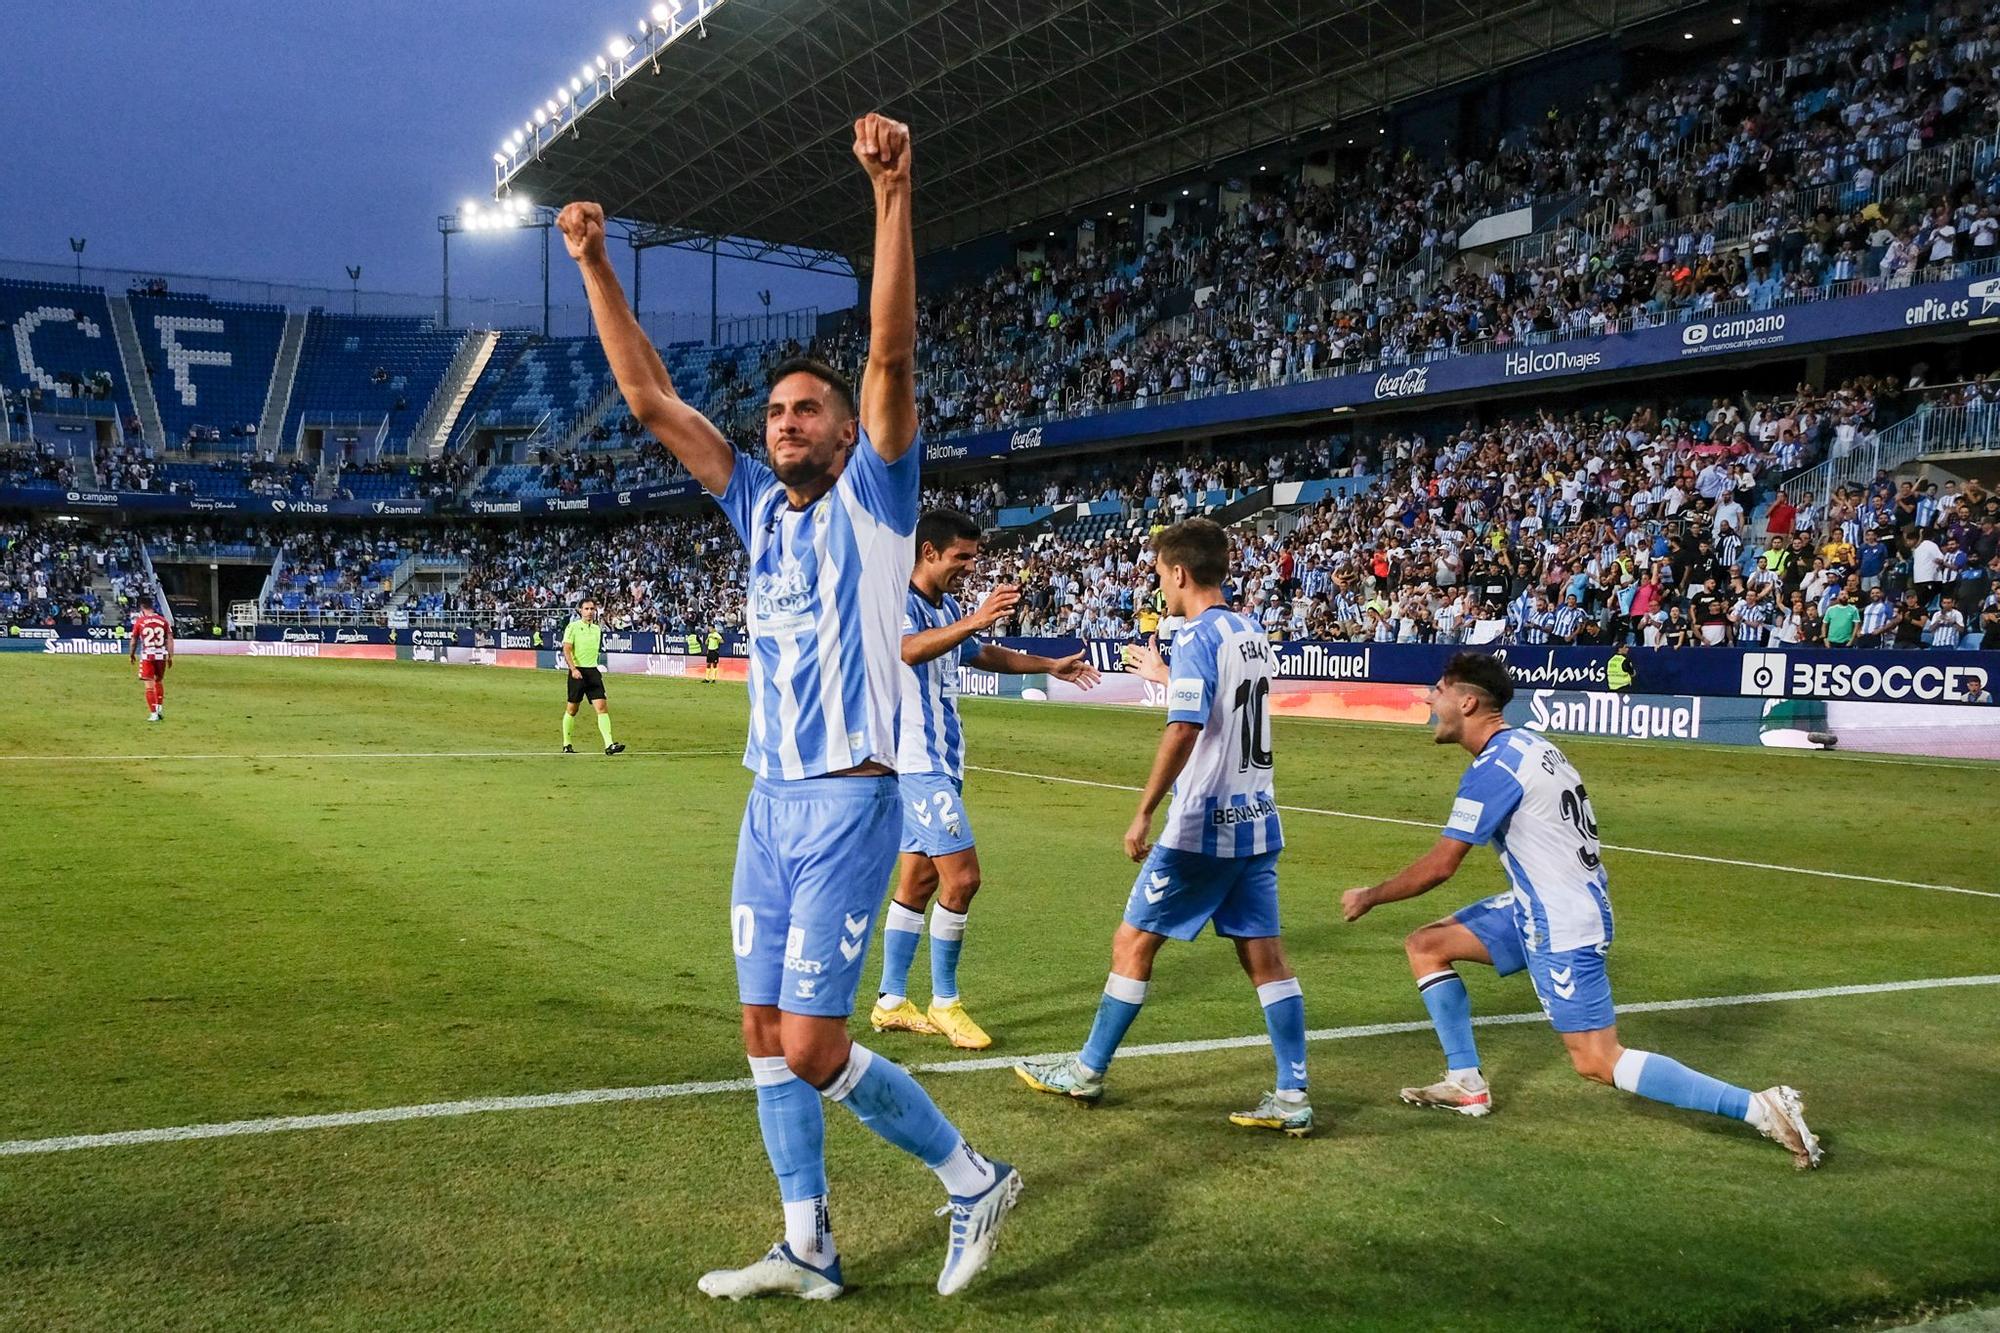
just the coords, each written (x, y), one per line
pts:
(930, 644)
(635, 363)
(1168, 761)
(889, 386)
(1009, 662)
(1422, 875)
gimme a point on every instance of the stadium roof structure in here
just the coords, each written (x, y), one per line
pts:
(733, 118)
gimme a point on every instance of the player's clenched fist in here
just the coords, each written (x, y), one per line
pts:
(883, 145)
(582, 226)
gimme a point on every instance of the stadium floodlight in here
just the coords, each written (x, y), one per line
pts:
(644, 27)
(602, 65)
(550, 107)
(576, 85)
(500, 159)
(589, 71)
(469, 208)
(1687, 36)
(621, 46)
(562, 97)
(1736, 23)
(541, 116)
(1184, 194)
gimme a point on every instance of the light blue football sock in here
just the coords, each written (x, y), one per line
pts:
(885, 1098)
(1285, 1015)
(794, 1126)
(1662, 1079)
(1451, 1014)
(1123, 997)
(947, 938)
(900, 932)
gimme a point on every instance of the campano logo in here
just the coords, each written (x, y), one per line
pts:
(1694, 335)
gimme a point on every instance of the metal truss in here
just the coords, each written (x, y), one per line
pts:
(1023, 110)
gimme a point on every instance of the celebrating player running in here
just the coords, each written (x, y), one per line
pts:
(828, 525)
(938, 855)
(1522, 795)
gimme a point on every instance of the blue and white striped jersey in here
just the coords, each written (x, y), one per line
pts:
(931, 741)
(824, 606)
(1219, 678)
(1523, 796)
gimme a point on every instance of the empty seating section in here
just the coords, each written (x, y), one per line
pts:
(364, 368)
(59, 339)
(512, 343)
(210, 364)
(553, 381)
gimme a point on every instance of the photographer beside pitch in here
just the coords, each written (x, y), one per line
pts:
(1521, 795)
(828, 523)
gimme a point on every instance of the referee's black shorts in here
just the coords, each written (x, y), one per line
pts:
(714, 656)
(588, 683)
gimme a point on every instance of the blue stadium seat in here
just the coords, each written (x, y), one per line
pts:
(69, 338)
(209, 361)
(360, 367)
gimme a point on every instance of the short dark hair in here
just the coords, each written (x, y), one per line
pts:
(819, 370)
(1198, 545)
(1483, 672)
(586, 600)
(939, 528)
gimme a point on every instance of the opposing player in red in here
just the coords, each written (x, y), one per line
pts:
(153, 650)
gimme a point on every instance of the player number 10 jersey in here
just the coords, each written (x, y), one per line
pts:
(1220, 680)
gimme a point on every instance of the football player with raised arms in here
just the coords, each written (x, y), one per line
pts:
(1521, 795)
(828, 524)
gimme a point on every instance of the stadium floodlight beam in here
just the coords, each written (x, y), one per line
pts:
(621, 46)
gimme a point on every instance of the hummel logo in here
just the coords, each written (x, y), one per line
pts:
(922, 811)
(1561, 975)
(851, 949)
(1159, 888)
(1559, 978)
(804, 986)
(1298, 1069)
(856, 925)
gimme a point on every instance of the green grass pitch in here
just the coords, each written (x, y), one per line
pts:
(405, 915)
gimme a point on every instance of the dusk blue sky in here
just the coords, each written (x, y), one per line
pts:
(257, 139)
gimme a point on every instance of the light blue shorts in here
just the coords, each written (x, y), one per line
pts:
(1177, 893)
(934, 818)
(1572, 984)
(813, 861)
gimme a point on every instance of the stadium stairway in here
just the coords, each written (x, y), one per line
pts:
(278, 398)
(137, 382)
(433, 431)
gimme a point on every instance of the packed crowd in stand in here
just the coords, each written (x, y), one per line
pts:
(671, 575)
(52, 572)
(1656, 526)
(35, 464)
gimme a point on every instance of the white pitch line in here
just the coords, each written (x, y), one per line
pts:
(345, 754)
(1609, 846)
(664, 1091)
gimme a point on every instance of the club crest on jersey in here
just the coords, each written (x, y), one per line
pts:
(782, 602)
